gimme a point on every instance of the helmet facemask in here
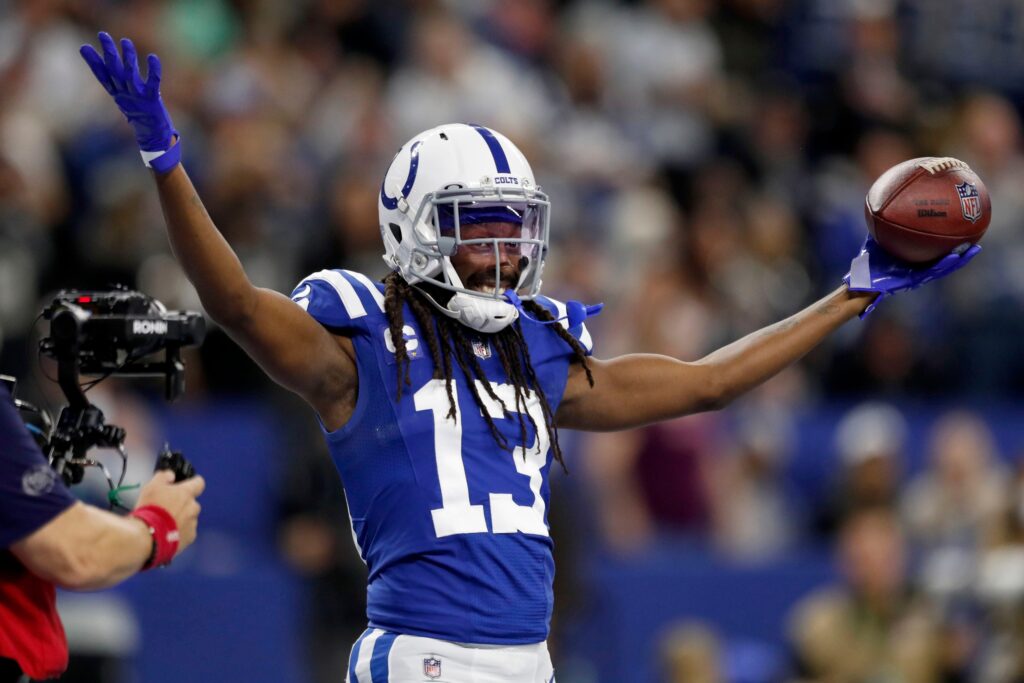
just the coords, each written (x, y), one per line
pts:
(444, 226)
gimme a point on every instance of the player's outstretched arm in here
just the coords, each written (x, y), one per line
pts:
(637, 389)
(634, 390)
(286, 342)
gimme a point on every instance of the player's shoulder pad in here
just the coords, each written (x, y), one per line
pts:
(341, 299)
(580, 332)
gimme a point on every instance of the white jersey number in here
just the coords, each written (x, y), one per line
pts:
(456, 515)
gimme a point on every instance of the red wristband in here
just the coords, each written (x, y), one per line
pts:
(164, 531)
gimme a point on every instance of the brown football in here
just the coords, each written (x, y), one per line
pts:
(924, 208)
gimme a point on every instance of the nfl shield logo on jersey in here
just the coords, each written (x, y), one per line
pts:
(432, 667)
(481, 349)
(970, 202)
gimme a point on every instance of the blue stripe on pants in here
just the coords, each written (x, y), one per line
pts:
(379, 663)
(354, 657)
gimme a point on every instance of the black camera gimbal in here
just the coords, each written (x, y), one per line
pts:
(109, 333)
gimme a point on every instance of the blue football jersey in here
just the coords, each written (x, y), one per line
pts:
(452, 528)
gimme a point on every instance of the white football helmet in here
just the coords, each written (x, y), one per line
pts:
(456, 175)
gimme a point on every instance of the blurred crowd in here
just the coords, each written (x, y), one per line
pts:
(929, 558)
(707, 163)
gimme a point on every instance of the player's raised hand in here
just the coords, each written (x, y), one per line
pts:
(875, 270)
(138, 100)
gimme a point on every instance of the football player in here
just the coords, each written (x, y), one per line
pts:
(441, 389)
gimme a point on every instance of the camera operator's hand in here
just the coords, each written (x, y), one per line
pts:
(177, 499)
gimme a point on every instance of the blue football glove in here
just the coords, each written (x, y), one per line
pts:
(875, 270)
(139, 102)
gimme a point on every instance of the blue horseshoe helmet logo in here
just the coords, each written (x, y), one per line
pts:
(414, 164)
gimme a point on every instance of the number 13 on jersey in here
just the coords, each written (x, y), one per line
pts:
(456, 515)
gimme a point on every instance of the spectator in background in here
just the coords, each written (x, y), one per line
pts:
(772, 133)
(871, 626)
(953, 506)
(963, 490)
(872, 85)
(691, 653)
(999, 586)
(753, 514)
(869, 441)
(453, 76)
(766, 278)
(653, 481)
(664, 60)
(894, 355)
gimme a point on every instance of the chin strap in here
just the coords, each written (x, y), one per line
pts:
(488, 315)
(575, 311)
(483, 315)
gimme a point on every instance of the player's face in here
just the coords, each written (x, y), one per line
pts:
(475, 262)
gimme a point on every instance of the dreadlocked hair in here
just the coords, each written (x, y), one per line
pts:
(449, 344)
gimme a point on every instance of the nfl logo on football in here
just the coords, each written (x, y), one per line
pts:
(432, 667)
(970, 202)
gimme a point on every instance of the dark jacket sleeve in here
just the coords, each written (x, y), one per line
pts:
(31, 493)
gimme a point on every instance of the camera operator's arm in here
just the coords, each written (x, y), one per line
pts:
(75, 545)
(85, 548)
(288, 344)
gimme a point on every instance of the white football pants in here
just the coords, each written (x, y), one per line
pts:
(384, 657)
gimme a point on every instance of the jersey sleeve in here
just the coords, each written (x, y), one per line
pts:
(580, 332)
(343, 300)
(31, 493)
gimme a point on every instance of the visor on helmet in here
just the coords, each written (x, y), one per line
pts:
(472, 213)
